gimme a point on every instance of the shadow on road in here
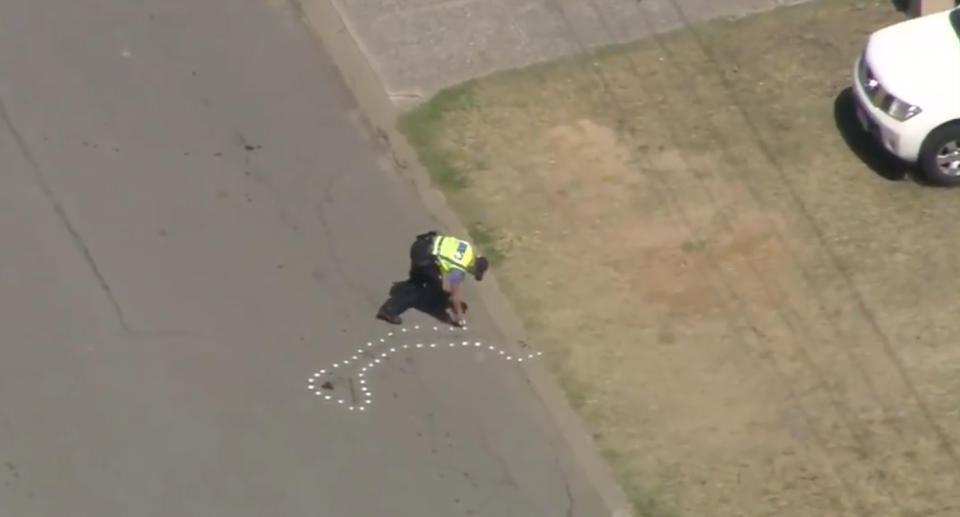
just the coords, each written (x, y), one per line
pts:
(904, 5)
(870, 152)
(434, 304)
(901, 5)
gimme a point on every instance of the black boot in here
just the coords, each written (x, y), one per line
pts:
(389, 318)
(386, 315)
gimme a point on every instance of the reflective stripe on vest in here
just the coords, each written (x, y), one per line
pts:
(452, 253)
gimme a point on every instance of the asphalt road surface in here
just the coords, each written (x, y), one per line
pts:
(193, 223)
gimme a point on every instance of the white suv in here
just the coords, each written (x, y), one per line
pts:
(907, 85)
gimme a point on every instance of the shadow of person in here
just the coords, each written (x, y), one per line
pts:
(870, 152)
(901, 5)
(430, 301)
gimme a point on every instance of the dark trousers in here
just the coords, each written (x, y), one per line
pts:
(424, 287)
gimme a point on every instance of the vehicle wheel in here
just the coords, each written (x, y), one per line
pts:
(940, 156)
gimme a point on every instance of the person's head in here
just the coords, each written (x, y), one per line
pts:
(480, 267)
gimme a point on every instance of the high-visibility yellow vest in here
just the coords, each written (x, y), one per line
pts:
(452, 253)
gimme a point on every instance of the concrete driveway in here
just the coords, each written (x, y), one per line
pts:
(193, 223)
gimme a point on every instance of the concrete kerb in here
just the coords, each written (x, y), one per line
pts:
(324, 19)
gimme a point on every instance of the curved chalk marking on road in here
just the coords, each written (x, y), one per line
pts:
(375, 354)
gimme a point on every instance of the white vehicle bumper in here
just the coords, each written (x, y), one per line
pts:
(902, 139)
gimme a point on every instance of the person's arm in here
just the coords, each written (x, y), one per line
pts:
(457, 306)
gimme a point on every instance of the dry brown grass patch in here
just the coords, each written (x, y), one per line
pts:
(748, 317)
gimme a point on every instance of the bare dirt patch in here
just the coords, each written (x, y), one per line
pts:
(752, 321)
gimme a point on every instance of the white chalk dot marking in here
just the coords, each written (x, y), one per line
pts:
(384, 352)
(416, 327)
(126, 53)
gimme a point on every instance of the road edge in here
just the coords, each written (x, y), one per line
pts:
(323, 18)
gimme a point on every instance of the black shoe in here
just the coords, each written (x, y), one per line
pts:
(389, 318)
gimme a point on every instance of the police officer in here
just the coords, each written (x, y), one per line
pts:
(433, 256)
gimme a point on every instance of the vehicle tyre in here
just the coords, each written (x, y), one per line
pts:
(940, 156)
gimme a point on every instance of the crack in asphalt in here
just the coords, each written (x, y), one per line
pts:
(326, 198)
(263, 180)
(507, 478)
(338, 265)
(78, 240)
(428, 416)
(61, 213)
(570, 502)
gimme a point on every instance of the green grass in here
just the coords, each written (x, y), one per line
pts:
(694, 246)
(421, 126)
(645, 500)
(486, 240)
(574, 389)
